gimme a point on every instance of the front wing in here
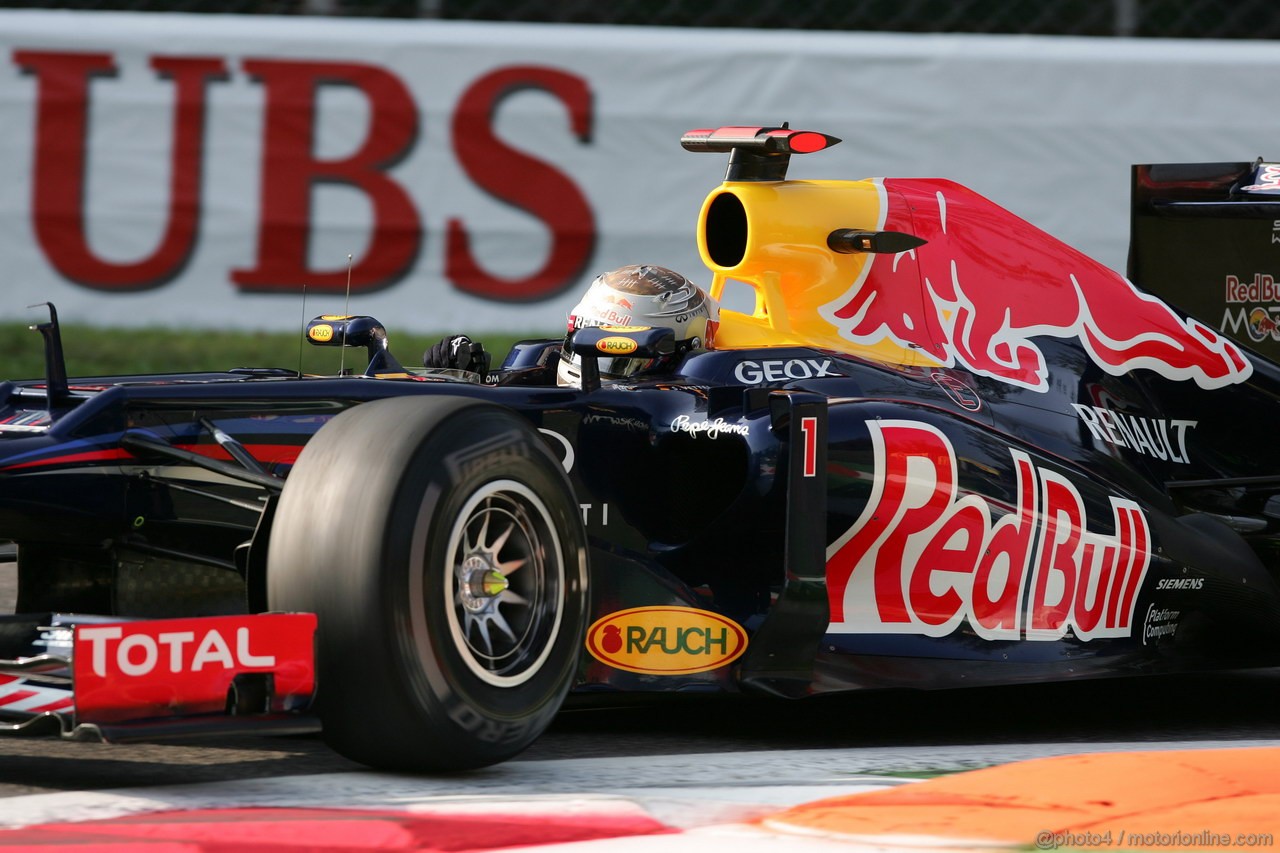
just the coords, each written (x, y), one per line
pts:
(94, 677)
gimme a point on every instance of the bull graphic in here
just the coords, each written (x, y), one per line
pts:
(987, 283)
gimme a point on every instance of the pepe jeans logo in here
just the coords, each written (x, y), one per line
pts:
(711, 429)
(666, 640)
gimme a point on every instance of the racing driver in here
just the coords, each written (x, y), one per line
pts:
(637, 295)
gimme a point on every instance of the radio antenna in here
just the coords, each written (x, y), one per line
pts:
(304, 327)
(346, 312)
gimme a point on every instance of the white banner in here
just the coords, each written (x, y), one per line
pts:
(191, 170)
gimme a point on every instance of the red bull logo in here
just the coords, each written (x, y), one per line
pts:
(1261, 325)
(1267, 179)
(988, 283)
(922, 558)
(621, 301)
(1258, 322)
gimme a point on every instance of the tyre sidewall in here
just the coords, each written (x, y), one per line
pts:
(476, 447)
(360, 538)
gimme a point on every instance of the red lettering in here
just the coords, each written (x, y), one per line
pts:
(906, 500)
(1138, 549)
(1124, 561)
(1233, 288)
(1261, 289)
(954, 549)
(1009, 551)
(809, 428)
(59, 173)
(291, 170)
(1086, 615)
(956, 565)
(523, 181)
(1059, 552)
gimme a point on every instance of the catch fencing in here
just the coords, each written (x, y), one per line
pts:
(1227, 19)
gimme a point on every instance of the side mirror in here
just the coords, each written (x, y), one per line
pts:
(341, 330)
(596, 342)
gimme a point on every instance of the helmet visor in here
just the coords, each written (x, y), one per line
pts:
(618, 368)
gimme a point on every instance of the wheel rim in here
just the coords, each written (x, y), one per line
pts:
(504, 583)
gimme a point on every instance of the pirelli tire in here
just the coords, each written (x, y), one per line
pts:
(439, 544)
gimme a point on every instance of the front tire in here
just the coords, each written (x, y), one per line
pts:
(439, 544)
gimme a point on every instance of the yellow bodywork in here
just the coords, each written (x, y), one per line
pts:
(772, 236)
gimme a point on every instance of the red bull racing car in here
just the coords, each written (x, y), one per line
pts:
(943, 448)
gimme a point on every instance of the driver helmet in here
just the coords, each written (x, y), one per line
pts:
(641, 295)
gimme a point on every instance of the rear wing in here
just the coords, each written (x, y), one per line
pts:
(1205, 237)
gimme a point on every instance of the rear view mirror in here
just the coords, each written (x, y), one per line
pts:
(594, 342)
(342, 330)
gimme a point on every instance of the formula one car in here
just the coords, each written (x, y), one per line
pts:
(943, 449)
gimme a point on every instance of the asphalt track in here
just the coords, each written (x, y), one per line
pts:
(732, 755)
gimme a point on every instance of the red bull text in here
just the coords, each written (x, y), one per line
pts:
(922, 558)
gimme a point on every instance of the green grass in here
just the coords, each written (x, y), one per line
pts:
(921, 774)
(92, 351)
